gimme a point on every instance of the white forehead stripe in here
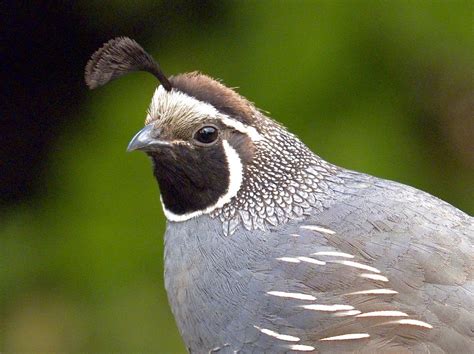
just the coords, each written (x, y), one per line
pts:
(235, 181)
(166, 104)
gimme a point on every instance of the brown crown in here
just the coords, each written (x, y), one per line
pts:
(224, 99)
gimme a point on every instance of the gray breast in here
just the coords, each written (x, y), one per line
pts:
(388, 269)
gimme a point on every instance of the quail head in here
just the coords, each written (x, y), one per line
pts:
(269, 248)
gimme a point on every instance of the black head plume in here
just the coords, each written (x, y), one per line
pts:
(118, 57)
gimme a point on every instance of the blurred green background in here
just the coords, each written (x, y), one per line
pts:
(383, 87)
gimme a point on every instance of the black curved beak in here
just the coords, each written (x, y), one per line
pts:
(147, 139)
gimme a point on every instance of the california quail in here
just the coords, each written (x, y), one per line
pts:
(269, 248)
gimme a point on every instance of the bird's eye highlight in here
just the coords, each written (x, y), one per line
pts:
(206, 135)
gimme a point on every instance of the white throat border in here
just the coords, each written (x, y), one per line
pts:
(235, 181)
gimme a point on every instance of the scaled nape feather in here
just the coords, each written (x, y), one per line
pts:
(269, 248)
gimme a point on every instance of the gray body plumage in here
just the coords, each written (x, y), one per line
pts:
(218, 285)
(269, 248)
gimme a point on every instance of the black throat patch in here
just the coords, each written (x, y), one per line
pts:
(191, 179)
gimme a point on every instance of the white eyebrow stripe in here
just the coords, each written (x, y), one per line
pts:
(410, 322)
(374, 292)
(333, 253)
(374, 276)
(348, 336)
(302, 348)
(383, 314)
(347, 313)
(318, 229)
(164, 102)
(311, 260)
(327, 308)
(289, 259)
(357, 265)
(277, 335)
(298, 296)
(295, 235)
(239, 126)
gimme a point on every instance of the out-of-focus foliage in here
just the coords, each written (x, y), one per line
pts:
(381, 87)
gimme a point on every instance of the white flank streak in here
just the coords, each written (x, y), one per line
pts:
(295, 235)
(298, 296)
(347, 336)
(235, 181)
(374, 276)
(374, 292)
(358, 265)
(347, 313)
(289, 259)
(276, 335)
(327, 308)
(302, 348)
(412, 323)
(332, 253)
(318, 229)
(311, 260)
(383, 314)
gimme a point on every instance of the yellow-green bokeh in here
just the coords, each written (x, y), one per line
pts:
(81, 268)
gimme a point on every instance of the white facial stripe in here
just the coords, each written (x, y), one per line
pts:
(239, 126)
(168, 104)
(298, 296)
(235, 181)
(164, 104)
(347, 336)
(327, 308)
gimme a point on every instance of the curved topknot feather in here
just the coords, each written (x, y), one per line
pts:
(118, 57)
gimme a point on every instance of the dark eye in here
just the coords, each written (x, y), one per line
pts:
(206, 135)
